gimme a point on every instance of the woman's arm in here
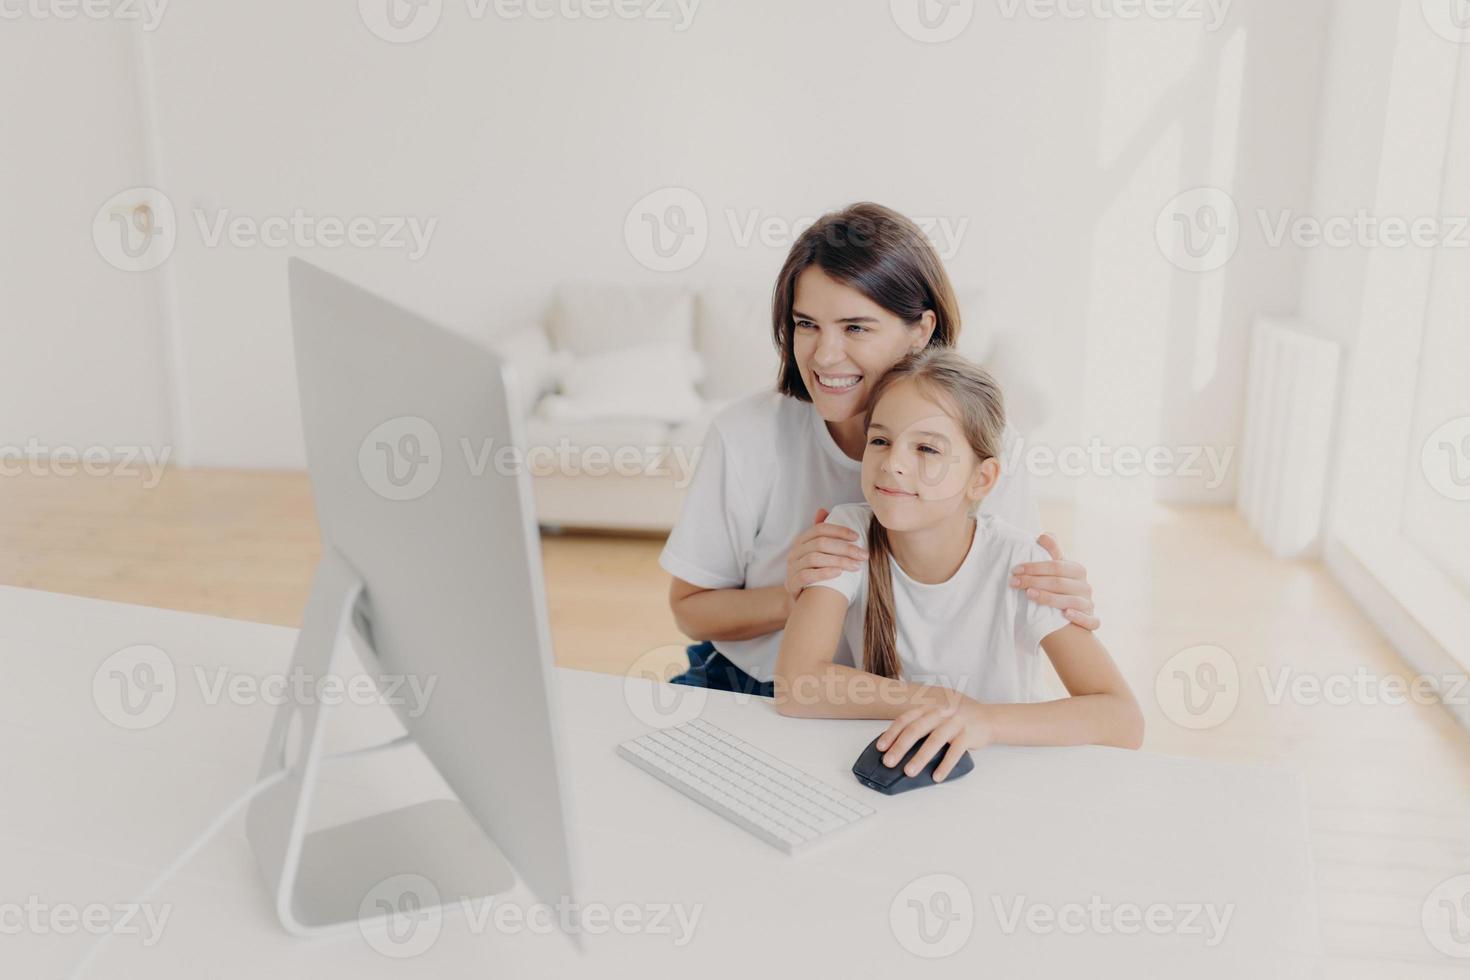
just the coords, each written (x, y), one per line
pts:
(1058, 583)
(1100, 711)
(727, 614)
(809, 685)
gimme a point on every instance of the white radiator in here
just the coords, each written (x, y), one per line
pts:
(1290, 403)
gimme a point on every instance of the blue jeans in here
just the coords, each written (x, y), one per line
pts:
(710, 668)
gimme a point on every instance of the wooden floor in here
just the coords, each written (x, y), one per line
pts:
(1388, 787)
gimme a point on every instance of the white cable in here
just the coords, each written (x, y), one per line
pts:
(215, 826)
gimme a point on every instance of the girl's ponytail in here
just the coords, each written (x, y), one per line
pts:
(880, 631)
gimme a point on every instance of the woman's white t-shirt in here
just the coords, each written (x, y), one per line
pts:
(972, 633)
(768, 464)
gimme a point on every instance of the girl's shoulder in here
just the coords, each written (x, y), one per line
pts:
(1016, 543)
(856, 516)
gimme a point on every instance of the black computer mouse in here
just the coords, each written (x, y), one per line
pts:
(872, 773)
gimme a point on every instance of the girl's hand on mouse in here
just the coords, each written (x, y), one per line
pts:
(1058, 583)
(962, 726)
(821, 552)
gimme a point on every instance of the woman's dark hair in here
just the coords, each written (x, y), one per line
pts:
(882, 255)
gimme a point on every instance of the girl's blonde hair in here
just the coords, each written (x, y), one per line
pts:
(973, 399)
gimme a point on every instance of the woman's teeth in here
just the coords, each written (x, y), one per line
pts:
(839, 382)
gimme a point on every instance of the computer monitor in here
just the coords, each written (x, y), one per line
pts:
(432, 558)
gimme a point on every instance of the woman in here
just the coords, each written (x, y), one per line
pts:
(860, 289)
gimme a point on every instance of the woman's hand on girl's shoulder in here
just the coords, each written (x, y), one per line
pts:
(961, 725)
(821, 552)
(1058, 583)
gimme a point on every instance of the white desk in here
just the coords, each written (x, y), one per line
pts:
(91, 811)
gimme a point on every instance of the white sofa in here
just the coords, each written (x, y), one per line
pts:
(619, 383)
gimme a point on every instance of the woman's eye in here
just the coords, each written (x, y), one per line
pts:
(928, 449)
(859, 328)
(876, 441)
(804, 323)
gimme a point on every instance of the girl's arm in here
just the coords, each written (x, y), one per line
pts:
(727, 614)
(809, 685)
(1100, 711)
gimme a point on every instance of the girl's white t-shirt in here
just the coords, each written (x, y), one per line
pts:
(767, 465)
(972, 633)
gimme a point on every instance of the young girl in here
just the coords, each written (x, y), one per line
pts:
(931, 614)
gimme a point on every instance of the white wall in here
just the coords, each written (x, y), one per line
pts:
(1360, 48)
(1054, 142)
(84, 346)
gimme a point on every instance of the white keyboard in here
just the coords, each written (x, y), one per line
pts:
(777, 802)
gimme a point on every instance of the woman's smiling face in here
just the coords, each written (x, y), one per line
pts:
(843, 342)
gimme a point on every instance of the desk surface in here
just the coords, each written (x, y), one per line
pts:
(1042, 861)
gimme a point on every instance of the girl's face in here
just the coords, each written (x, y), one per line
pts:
(918, 467)
(843, 342)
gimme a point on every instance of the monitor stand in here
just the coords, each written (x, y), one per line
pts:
(362, 873)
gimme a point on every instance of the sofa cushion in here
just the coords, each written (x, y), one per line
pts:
(527, 351)
(650, 381)
(732, 329)
(591, 318)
